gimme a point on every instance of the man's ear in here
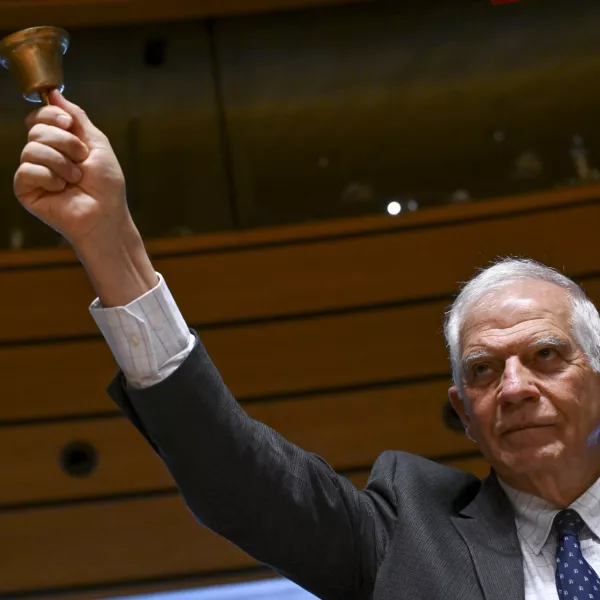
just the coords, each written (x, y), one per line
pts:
(461, 410)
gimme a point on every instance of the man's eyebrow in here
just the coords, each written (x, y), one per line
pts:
(474, 356)
(551, 341)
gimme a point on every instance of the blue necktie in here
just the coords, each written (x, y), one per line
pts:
(575, 578)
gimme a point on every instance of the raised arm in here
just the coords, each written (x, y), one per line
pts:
(282, 505)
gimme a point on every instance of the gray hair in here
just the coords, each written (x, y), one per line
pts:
(585, 320)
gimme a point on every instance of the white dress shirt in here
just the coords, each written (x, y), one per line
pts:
(534, 518)
(150, 339)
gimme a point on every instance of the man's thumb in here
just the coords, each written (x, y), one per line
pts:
(82, 127)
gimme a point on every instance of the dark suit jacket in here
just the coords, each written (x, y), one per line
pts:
(419, 530)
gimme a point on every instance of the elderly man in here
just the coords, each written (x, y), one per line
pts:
(525, 349)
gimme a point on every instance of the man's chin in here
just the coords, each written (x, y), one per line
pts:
(531, 458)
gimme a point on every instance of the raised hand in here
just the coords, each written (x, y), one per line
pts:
(70, 179)
(69, 176)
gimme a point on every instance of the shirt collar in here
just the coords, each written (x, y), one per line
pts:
(534, 516)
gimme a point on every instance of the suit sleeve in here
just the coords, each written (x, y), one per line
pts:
(283, 506)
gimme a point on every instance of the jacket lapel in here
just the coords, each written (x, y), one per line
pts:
(487, 525)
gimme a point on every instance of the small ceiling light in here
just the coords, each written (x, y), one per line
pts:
(394, 208)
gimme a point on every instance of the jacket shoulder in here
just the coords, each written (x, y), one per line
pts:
(408, 477)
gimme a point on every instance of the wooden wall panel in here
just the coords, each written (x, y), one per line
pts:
(125, 462)
(51, 380)
(77, 13)
(155, 585)
(256, 275)
(348, 429)
(477, 465)
(112, 542)
(269, 359)
(108, 543)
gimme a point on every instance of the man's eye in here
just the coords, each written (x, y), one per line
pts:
(547, 353)
(481, 369)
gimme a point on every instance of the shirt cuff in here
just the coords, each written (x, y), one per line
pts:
(149, 337)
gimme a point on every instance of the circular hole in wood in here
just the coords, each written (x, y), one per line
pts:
(78, 459)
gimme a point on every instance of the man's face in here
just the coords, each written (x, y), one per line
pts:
(532, 402)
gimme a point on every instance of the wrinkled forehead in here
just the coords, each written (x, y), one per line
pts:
(528, 305)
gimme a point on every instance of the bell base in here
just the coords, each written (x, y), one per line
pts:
(41, 96)
(35, 57)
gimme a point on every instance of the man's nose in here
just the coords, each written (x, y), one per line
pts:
(517, 382)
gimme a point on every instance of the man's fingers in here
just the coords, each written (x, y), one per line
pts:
(59, 139)
(67, 116)
(31, 178)
(49, 115)
(82, 127)
(45, 156)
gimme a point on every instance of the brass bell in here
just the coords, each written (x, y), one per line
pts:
(35, 57)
